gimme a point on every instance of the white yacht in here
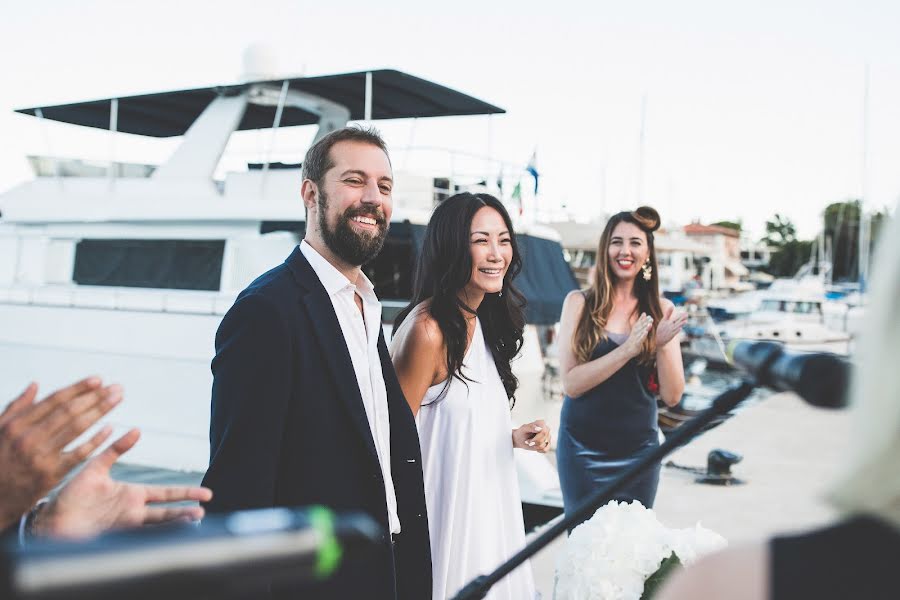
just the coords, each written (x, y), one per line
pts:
(126, 270)
(791, 311)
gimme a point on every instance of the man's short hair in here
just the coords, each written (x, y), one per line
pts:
(318, 157)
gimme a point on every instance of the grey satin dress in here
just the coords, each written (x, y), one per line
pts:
(606, 430)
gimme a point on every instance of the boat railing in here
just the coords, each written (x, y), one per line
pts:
(120, 299)
(58, 166)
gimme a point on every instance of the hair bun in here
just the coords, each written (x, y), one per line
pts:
(647, 217)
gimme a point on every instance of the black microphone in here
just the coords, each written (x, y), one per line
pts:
(820, 378)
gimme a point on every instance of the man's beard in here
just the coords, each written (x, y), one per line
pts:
(353, 248)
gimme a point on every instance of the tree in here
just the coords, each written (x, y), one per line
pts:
(842, 232)
(736, 225)
(779, 231)
(792, 255)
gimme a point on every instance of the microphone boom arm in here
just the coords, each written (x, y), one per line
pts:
(725, 402)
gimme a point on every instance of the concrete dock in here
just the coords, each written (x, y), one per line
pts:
(791, 453)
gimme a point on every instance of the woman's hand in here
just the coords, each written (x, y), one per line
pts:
(532, 436)
(670, 326)
(638, 334)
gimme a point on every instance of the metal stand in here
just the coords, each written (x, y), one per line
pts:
(725, 402)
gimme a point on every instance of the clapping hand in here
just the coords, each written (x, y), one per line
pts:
(670, 326)
(33, 436)
(93, 502)
(532, 436)
(638, 334)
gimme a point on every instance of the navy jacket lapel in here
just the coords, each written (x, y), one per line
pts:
(328, 332)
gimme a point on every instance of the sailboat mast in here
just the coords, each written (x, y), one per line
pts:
(640, 166)
(864, 223)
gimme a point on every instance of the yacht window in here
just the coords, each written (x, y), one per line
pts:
(805, 307)
(164, 264)
(298, 227)
(770, 305)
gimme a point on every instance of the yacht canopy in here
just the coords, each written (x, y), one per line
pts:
(395, 95)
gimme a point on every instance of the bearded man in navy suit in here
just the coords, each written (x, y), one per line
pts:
(306, 407)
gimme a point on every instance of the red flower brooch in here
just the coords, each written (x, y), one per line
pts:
(652, 383)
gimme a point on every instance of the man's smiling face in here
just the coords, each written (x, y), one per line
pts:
(355, 203)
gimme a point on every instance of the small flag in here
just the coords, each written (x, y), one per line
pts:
(517, 196)
(532, 169)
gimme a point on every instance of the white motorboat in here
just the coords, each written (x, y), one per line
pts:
(792, 311)
(126, 270)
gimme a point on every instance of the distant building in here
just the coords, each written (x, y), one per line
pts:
(724, 269)
(680, 261)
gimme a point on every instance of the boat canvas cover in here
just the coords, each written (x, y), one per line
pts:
(395, 95)
(545, 279)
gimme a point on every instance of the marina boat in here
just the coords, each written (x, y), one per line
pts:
(126, 270)
(791, 311)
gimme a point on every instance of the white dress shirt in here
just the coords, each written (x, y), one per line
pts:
(361, 335)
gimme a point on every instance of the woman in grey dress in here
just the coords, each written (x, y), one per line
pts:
(618, 350)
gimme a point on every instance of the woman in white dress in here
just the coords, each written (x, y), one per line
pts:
(452, 349)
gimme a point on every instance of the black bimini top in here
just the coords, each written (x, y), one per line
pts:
(395, 95)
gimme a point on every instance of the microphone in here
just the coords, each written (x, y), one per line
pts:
(820, 378)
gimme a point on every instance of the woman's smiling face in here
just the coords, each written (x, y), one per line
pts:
(490, 244)
(628, 250)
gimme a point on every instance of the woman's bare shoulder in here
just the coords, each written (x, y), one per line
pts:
(574, 303)
(420, 331)
(574, 299)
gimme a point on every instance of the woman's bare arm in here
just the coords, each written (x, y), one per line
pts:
(417, 352)
(579, 378)
(668, 355)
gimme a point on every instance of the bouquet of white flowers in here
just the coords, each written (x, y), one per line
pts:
(611, 555)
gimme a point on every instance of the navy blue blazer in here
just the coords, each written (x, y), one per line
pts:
(288, 428)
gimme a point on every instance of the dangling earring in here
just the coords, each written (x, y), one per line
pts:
(500, 295)
(648, 270)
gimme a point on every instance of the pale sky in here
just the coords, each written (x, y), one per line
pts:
(751, 108)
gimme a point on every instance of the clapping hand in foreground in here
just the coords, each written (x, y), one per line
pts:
(34, 435)
(93, 502)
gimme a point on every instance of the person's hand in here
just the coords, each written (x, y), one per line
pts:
(93, 502)
(33, 437)
(670, 326)
(532, 436)
(638, 334)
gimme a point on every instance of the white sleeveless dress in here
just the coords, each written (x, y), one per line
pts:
(471, 488)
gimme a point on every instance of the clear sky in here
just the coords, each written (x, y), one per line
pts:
(751, 108)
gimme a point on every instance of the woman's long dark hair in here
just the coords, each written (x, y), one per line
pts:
(444, 267)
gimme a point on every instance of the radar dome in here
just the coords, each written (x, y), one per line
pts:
(260, 63)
